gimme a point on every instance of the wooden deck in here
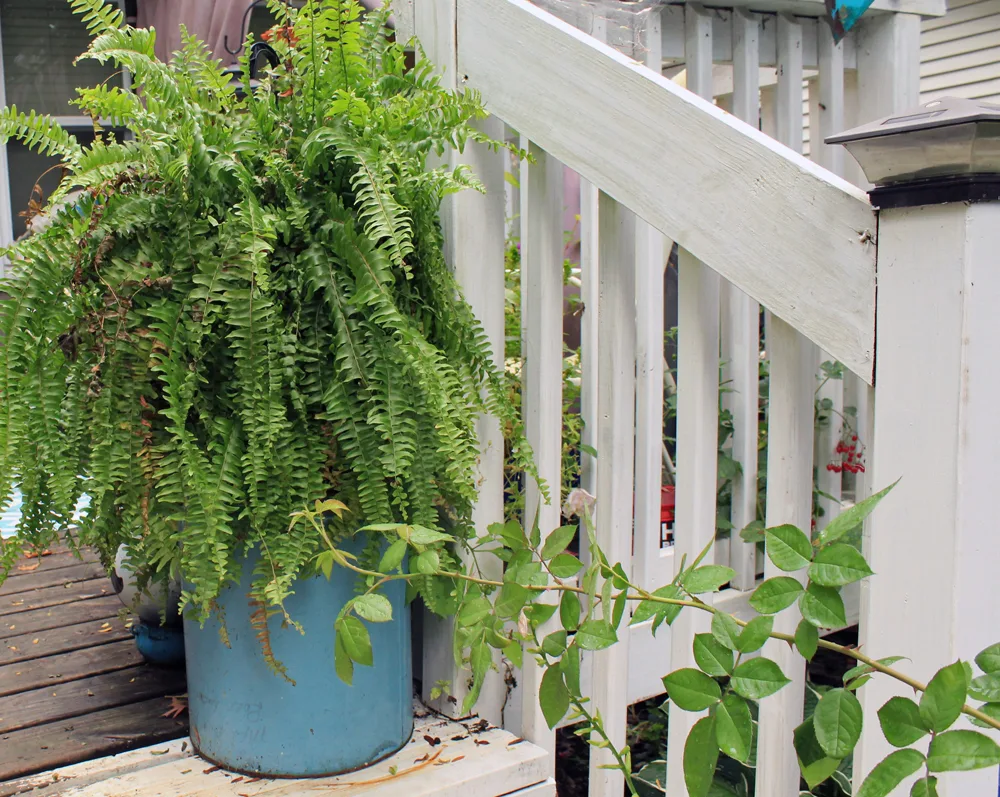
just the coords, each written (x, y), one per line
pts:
(73, 687)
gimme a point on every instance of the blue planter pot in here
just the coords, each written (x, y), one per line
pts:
(247, 719)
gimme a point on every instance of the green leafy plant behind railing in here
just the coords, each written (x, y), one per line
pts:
(542, 581)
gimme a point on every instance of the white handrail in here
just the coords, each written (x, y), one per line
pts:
(785, 231)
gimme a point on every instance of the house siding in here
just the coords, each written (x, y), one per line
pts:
(960, 52)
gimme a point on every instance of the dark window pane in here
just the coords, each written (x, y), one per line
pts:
(40, 40)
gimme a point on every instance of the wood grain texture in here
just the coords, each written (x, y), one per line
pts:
(103, 733)
(26, 567)
(57, 595)
(59, 616)
(779, 227)
(64, 667)
(87, 695)
(51, 577)
(23, 647)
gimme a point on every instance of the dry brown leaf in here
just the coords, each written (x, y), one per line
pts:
(27, 568)
(34, 641)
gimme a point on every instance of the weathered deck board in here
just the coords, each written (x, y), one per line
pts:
(53, 617)
(58, 595)
(66, 667)
(51, 577)
(73, 686)
(24, 647)
(102, 733)
(55, 560)
(87, 695)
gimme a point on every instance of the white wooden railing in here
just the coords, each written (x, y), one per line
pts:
(757, 225)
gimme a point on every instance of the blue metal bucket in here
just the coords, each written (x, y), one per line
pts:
(247, 719)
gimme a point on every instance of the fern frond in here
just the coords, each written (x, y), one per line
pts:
(98, 15)
(39, 132)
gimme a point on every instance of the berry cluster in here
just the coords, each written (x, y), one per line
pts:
(850, 456)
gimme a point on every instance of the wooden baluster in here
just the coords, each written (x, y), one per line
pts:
(615, 464)
(789, 462)
(740, 316)
(697, 412)
(541, 342)
(473, 226)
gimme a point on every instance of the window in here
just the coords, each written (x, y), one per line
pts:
(40, 40)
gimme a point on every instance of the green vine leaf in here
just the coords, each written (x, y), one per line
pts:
(558, 541)
(709, 578)
(890, 772)
(775, 595)
(565, 565)
(837, 722)
(355, 640)
(959, 751)
(663, 612)
(692, 690)
(814, 763)
(701, 754)
(570, 666)
(758, 678)
(475, 611)
(942, 703)
(374, 608)
(553, 696)
(851, 518)
(838, 565)
(342, 661)
(823, 607)
(991, 710)
(755, 634)
(788, 547)
(925, 787)
(806, 639)
(595, 635)
(734, 727)
(989, 659)
(986, 687)
(714, 658)
(569, 611)
(901, 722)
(393, 557)
(726, 630)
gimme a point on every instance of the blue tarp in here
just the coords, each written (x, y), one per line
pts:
(842, 14)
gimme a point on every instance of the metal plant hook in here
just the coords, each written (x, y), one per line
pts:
(244, 27)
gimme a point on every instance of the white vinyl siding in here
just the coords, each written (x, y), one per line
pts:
(960, 52)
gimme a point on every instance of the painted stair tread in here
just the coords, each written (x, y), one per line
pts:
(444, 758)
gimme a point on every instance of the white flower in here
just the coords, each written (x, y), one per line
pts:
(578, 500)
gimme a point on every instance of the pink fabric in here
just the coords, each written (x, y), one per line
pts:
(210, 20)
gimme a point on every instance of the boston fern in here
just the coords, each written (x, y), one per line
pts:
(244, 309)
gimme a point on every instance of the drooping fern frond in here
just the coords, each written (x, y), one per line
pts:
(245, 308)
(39, 132)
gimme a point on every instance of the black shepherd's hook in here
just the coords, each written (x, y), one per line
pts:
(244, 27)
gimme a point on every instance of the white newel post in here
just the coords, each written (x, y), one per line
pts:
(932, 543)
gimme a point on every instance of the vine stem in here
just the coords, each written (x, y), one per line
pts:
(642, 595)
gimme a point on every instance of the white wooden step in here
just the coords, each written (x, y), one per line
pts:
(471, 759)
